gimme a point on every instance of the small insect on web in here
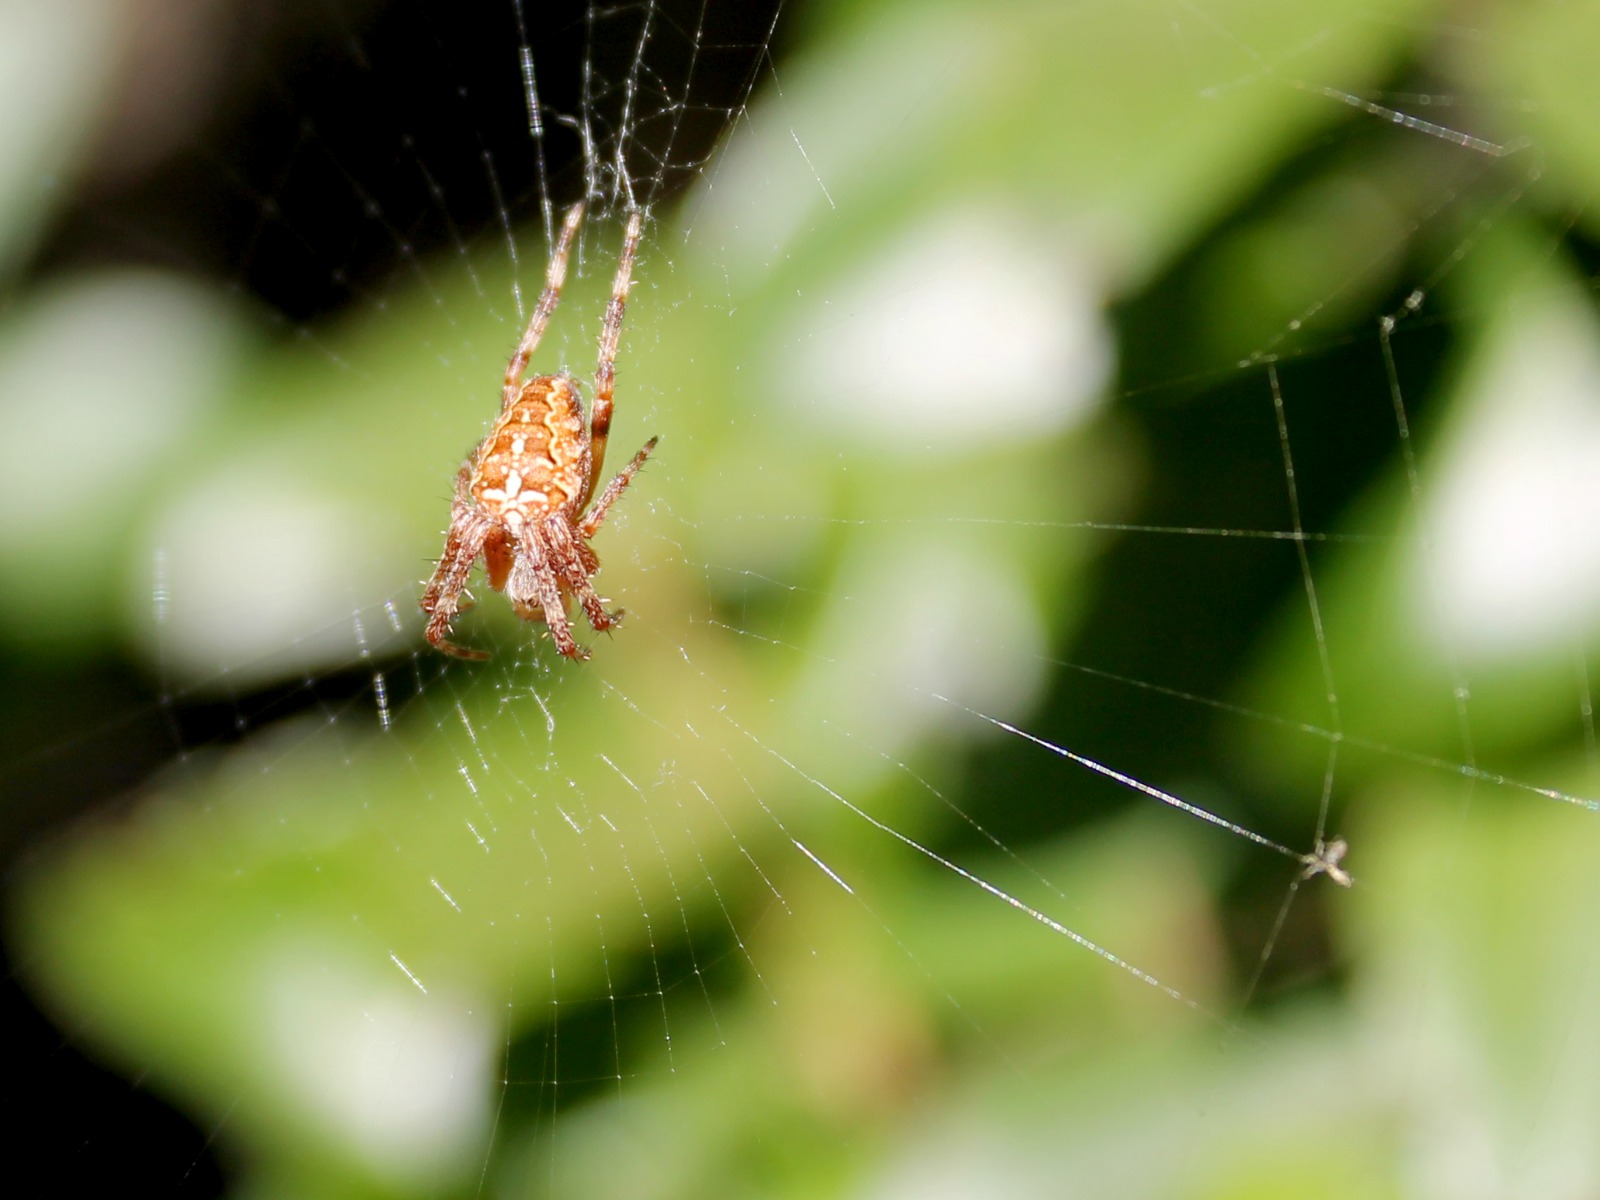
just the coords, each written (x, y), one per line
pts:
(522, 498)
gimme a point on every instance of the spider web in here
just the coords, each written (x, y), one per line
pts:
(1106, 502)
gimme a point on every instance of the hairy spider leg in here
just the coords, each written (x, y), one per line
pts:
(533, 579)
(441, 600)
(605, 375)
(590, 524)
(554, 276)
(567, 558)
(463, 502)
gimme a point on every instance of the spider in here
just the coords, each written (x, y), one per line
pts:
(522, 500)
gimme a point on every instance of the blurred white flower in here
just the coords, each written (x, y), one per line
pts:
(970, 329)
(1512, 517)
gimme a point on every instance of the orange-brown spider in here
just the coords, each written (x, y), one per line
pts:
(522, 499)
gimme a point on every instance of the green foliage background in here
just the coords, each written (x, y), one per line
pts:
(1429, 1032)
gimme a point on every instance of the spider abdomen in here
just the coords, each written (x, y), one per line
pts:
(535, 459)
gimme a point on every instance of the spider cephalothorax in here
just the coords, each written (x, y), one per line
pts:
(523, 499)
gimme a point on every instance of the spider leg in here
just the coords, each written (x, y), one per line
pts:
(460, 505)
(534, 579)
(441, 600)
(590, 524)
(605, 375)
(567, 558)
(554, 276)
